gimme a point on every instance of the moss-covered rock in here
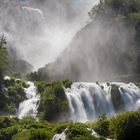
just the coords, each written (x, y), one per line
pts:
(117, 100)
(53, 103)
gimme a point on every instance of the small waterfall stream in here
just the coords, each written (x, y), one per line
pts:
(29, 107)
(88, 101)
(61, 136)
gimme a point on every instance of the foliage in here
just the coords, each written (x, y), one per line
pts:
(12, 94)
(7, 133)
(76, 130)
(33, 76)
(7, 122)
(4, 62)
(67, 83)
(3, 54)
(125, 126)
(79, 131)
(34, 134)
(113, 8)
(53, 102)
(59, 129)
(102, 126)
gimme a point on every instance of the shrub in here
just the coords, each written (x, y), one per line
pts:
(67, 83)
(78, 130)
(7, 133)
(102, 126)
(7, 122)
(126, 126)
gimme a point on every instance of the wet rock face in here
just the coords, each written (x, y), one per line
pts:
(117, 100)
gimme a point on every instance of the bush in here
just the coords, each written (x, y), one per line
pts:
(59, 129)
(102, 126)
(7, 133)
(35, 131)
(67, 83)
(126, 126)
(24, 134)
(12, 96)
(7, 122)
(78, 130)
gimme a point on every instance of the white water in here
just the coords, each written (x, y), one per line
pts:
(98, 136)
(88, 101)
(61, 136)
(7, 78)
(29, 107)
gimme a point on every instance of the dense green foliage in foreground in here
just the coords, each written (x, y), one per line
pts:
(122, 127)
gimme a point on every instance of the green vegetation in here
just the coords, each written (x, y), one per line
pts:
(25, 129)
(11, 91)
(125, 126)
(3, 59)
(111, 8)
(53, 103)
(11, 95)
(80, 131)
(102, 126)
(122, 127)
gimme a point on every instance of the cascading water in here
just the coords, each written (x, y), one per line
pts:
(61, 136)
(29, 107)
(88, 101)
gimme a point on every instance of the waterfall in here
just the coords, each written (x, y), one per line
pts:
(88, 101)
(29, 107)
(61, 136)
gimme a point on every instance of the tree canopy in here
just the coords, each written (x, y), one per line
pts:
(115, 7)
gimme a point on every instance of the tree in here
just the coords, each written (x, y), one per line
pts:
(115, 7)
(3, 58)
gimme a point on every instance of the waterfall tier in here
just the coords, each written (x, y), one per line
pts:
(88, 101)
(29, 107)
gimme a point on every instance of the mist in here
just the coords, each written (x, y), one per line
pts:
(39, 30)
(101, 51)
